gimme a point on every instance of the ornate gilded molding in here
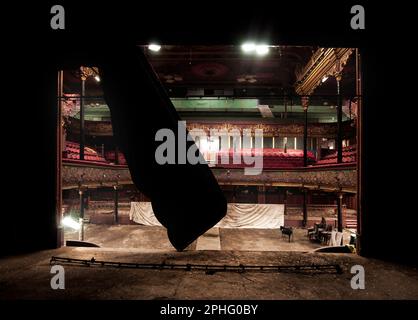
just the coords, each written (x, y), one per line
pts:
(75, 175)
(330, 179)
(324, 62)
(86, 72)
(315, 130)
(322, 130)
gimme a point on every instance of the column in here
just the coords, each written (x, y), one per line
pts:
(305, 104)
(318, 148)
(339, 122)
(116, 154)
(60, 148)
(82, 138)
(305, 208)
(340, 212)
(116, 207)
(261, 194)
(81, 194)
(81, 218)
(285, 201)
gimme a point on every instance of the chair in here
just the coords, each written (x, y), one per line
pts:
(325, 236)
(313, 233)
(339, 238)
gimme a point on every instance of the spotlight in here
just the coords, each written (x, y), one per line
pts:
(262, 49)
(248, 47)
(97, 78)
(325, 78)
(154, 47)
(68, 222)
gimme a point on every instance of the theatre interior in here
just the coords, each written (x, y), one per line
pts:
(303, 99)
(303, 209)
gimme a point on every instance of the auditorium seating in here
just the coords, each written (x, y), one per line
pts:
(349, 155)
(72, 151)
(351, 224)
(272, 158)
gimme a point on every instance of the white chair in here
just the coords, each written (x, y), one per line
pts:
(339, 238)
(332, 240)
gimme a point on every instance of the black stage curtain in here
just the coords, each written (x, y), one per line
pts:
(140, 107)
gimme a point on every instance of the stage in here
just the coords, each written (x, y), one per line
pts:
(28, 276)
(154, 239)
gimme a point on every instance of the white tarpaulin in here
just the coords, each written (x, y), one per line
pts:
(239, 215)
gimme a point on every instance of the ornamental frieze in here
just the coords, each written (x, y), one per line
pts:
(315, 130)
(74, 175)
(345, 179)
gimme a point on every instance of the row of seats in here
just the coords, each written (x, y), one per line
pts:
(272, 158)
(349, 155)
(72, 151)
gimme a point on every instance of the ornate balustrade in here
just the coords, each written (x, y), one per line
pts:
(342, 177)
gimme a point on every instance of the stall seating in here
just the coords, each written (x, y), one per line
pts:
(272, 158)
(72, 151)
(349, 155)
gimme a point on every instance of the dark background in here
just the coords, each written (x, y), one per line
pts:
(32, 52)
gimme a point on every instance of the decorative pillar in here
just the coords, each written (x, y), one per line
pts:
(305, 104)
(339, 121)
(116, 154)
(83, 91)
(261, 194)
(318, 148)
(359, 157)
(116, 207)
(340, 212)
(305, 208)
(60, 135)
(81, 218)
(285, 201)
(81, 194)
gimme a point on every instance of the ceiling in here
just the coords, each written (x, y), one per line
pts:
(226, 72)
(184, 68)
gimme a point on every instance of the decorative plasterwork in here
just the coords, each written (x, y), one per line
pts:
(74, 176)
(325, 62)
(341, 179)
(86, 72)
(294, 129)
(323, 130)
(329, 179)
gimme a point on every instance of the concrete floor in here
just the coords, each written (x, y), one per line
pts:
(28, 277)
(154, 238)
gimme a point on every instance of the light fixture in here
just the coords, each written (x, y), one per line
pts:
(262, 49)
(69, 222)
(325, 78)
(97, 78)
(154, 47)
(247, 78)
(248, 47)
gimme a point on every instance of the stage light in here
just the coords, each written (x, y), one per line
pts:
(262, 49)
(325, 78)
(248, 47)
(154, 47)
(68, 222)
(97, 78)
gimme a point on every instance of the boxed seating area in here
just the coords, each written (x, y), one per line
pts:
(72, 151)
(349, 155)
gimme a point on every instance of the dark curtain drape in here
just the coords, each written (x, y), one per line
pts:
(186, 198)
